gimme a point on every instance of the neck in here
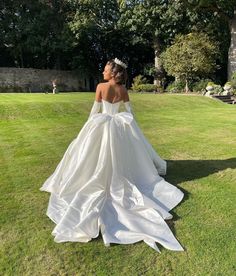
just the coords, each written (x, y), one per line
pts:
(112, 81)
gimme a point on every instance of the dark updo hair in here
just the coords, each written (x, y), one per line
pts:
(119, 72)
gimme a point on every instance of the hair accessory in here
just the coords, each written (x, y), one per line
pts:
(122, 64)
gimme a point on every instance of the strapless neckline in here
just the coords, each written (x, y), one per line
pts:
(112, 103)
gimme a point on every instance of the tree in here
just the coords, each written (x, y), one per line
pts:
(35, 33)
(190, 56)
(232, 48)
(225, 12)
(94, 26)
(100, 37)
(154, 23)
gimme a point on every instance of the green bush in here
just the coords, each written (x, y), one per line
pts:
(138, 80)
(233, 82)
(229, 87)
(176, 87)
(217, 89)
(200, 86)
(147, 88)
(211, 83)
(232, 90)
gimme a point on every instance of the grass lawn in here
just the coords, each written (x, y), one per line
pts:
(195, 134)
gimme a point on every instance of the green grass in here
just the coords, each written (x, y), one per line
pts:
(195, 134)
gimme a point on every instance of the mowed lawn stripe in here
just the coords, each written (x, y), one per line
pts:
(194, 134)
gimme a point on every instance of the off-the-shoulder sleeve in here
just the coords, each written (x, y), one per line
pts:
(128, 107)
(95, 108)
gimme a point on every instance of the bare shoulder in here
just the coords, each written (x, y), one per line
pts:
(103, 86)
(99, 89)
(100, 85)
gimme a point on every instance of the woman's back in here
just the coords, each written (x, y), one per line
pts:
(112, 92)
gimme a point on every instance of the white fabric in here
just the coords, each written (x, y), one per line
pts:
(95, 108)
(109, 180)
(128, 107)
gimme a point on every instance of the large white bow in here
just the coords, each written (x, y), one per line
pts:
(123, 117)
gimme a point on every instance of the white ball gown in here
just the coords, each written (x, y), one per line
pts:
(109, 180)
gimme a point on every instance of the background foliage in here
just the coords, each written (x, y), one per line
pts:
(84, 34)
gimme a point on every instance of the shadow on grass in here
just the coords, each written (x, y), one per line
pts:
(179, 171)
(186, 170)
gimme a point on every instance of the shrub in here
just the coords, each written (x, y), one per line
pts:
(210, 83)
(217, 89)
(200, 86)
(233, 82)
(176, 87)
(138, 80)
(146, 88)
(230, 88)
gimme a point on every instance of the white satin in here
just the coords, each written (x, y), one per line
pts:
(109, 180)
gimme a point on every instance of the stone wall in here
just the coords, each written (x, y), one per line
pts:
(37, 80)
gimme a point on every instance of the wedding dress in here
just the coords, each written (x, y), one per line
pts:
(109, 180)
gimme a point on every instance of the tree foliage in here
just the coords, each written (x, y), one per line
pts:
(101, 36)
(190, 56)
(84, 34)
(35, 33)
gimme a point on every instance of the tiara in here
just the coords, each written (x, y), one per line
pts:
(122, 64)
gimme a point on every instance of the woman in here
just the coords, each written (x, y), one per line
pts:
(109, 177)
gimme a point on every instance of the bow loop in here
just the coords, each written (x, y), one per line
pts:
(123, 117)
(100, 118)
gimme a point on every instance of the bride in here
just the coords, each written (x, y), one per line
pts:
(109, 178)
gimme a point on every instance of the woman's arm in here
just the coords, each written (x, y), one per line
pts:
(98, 95)
(127, 102)
(97, 102)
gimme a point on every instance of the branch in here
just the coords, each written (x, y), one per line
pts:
(210, 7)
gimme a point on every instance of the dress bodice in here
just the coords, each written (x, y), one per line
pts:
(110, 108)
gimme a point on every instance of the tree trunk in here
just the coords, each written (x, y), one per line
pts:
(232, 48)
(158, 66)
(186, 86)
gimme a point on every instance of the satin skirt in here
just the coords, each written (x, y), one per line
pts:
(109, 180)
